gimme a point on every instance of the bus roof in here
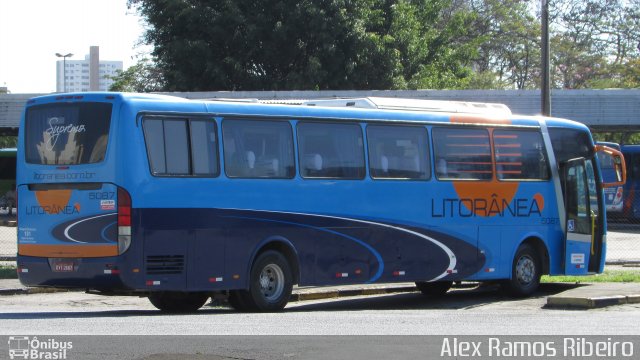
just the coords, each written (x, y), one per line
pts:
(369, 109)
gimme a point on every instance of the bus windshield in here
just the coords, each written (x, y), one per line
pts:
(67, 134)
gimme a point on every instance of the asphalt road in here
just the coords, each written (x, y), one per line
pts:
(327, 329)
(478, 312)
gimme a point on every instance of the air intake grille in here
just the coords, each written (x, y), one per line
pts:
(165, 264)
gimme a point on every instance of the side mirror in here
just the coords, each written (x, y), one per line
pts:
(612, 165)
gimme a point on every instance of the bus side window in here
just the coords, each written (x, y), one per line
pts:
(520, 155)
(331, 151)
(398, 152)
(258, 149)
(167, 146)
(465, 151)
(181, 147)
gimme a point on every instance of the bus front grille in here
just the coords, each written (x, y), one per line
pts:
(164, 264)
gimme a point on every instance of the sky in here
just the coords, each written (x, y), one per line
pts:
(33, 31)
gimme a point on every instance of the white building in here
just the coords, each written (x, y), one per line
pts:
(89, 74)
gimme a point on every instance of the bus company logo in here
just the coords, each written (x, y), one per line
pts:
(24, 347)
(486, 199)
(53, 202)
(488, 206)
(57, 127)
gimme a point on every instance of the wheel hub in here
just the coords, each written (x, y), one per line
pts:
(525, 270)
(271, 282)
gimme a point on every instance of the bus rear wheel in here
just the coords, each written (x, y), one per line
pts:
(525, 272)
(434, 288)
(270, 284)
(178, 302)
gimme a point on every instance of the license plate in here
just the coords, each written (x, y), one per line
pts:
(63, 267)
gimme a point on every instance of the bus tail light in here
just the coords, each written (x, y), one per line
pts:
(124, 220)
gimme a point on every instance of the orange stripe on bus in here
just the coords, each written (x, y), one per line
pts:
(507, 145)
(477, 119)
(67, 251)
(468, 145)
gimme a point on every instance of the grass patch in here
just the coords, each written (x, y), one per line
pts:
(615, 276)
(8, 272)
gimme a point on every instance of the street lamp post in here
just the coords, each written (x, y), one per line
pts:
(546, 77)
(64, 70)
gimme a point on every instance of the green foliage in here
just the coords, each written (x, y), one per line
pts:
(204, 45)
(144, 76)
(8, 272)
(8, 142)
(595, 44)
(509, 43)
(618, 137)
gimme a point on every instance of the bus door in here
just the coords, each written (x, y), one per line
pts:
(581, 206)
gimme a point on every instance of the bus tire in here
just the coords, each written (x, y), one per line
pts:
(434, 288)
(525, 272)
(178, 302)
(270, 283)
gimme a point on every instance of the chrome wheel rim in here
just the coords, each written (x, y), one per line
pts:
(525, 270)
(271, 282)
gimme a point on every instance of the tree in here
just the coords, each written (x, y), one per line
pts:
(144, 76)
(509, 38)
(597, 43)
(8, 141)
(204, 45)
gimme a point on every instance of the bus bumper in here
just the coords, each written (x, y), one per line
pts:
(70, 273)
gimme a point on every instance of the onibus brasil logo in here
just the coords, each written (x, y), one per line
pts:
(24, 347)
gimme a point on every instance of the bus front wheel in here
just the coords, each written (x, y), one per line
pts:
(435, 288)
(271, 283)
(178, 302)
(525, 272)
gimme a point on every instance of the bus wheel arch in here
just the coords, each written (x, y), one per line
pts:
(272, 274)
(529, 262)
(283, 246)
(541, 248)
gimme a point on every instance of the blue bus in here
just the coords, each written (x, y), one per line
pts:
(180, 200)
(614, 195)
(631, 206)
(7, 179)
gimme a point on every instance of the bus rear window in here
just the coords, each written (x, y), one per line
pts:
(67, 134)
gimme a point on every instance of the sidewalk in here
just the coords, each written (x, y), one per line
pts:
(586, 296)
(596, 295)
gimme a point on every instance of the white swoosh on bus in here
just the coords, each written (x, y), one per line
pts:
(66, 230)
(449, 252)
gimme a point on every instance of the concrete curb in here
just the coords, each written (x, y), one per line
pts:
(582, 302)
(329, 294)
